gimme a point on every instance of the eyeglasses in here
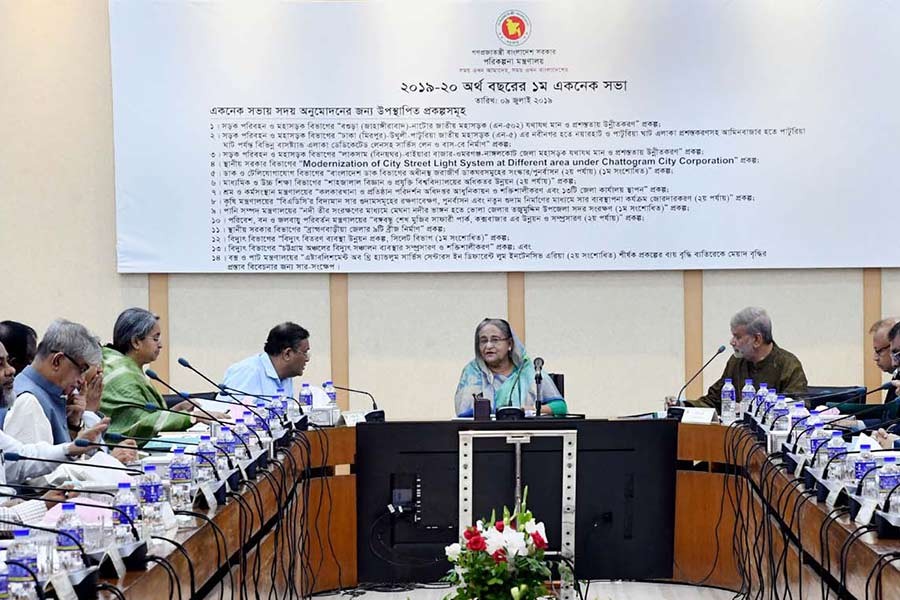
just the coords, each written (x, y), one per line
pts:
(895, 354)
(81, 368)
(878, 351)
(493, 341)
(305, 354)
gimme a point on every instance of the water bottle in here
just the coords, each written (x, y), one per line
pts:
(264, 420)
(799, 414)
(781, 415)
(292, 410)
(837, 449)
(306, 397)
(727, 412)
(328, 386)
(888, 477)
(865, 460)
(278, 405)
(817, 438)
(126, 502)
(241, 439)
(206, 460)
(276, 427)
(22, 550)
(225, 448)
(150, 489)
(748, 394)
(769, 404)
(761, 394)
(4, 582)
(67, 552)
(181, 480)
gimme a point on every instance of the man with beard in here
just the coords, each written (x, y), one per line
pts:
(757, 357)
(7, 375)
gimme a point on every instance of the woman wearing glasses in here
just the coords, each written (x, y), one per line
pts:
(503, 373)
(126, 389)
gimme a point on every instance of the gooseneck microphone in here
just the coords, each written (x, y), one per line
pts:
(184, 395)
(14, 456)
(116, 509)
(689, 381)
(374, 415)
(224, 390)
(65, 534)
(150, 407)
(43, 488)
(197, 454)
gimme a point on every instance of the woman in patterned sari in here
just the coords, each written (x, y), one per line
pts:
(503, 373)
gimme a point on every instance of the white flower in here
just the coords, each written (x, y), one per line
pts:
(515, 543)
(479, 525)
(494, 540)
(452, 551)
(532, 526)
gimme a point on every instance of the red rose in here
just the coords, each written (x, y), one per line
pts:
(539, 542)
(476, 543)
(499, 526)
(499, 555)
(470, 532)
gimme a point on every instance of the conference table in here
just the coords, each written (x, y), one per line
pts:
(725, 478)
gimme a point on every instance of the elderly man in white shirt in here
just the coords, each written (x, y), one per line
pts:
(20, 470)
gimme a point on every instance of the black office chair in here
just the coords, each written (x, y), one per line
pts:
(559, 380)
(833, 395)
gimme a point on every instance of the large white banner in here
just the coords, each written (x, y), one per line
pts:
(481, 136)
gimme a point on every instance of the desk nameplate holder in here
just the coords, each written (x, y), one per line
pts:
(517, 438)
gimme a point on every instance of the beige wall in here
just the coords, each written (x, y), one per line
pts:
(618, 337)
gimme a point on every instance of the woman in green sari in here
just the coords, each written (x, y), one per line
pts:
(503, 373)
(126, 389)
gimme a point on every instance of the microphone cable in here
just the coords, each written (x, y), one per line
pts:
(218, 534)
(190, 564)
(173, 578)
(112, 589)
(845, 550)
(824, 548)
(244, 528)
(879, 566)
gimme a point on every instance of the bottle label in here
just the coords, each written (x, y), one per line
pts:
(835, 450)
(861, 467)
(151, 492)
(815, 444)
(243, 436)
(181, 473)
(65, 542)
(129, 509)
(227, 446)
(4, 586)
(780, 412)
(19, 574)
(887, 482)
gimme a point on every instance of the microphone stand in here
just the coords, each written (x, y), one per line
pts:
(376, 415)
(678, 400)
(538, 380)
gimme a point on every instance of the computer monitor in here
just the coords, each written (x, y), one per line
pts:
(625, 496)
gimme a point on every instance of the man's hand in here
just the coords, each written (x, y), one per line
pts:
(56, 496)
(93, 388)
(92, 435)
(125, 455)
(200, 416)
(75, 405)
(885, 439)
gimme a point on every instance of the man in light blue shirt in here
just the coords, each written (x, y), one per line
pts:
(284, 357)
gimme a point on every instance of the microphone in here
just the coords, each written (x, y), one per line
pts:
(14, 456)
(538, 378)
(65, 534)
(224, 390)
(118, 437)
(376, 415)
(684, 387)
(184, 395)
(41, 488)
(197, 454)
(848, 403)
(116, 509)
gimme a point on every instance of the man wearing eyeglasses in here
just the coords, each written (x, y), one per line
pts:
(284, 356)
(48, 386)
(881, 352)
